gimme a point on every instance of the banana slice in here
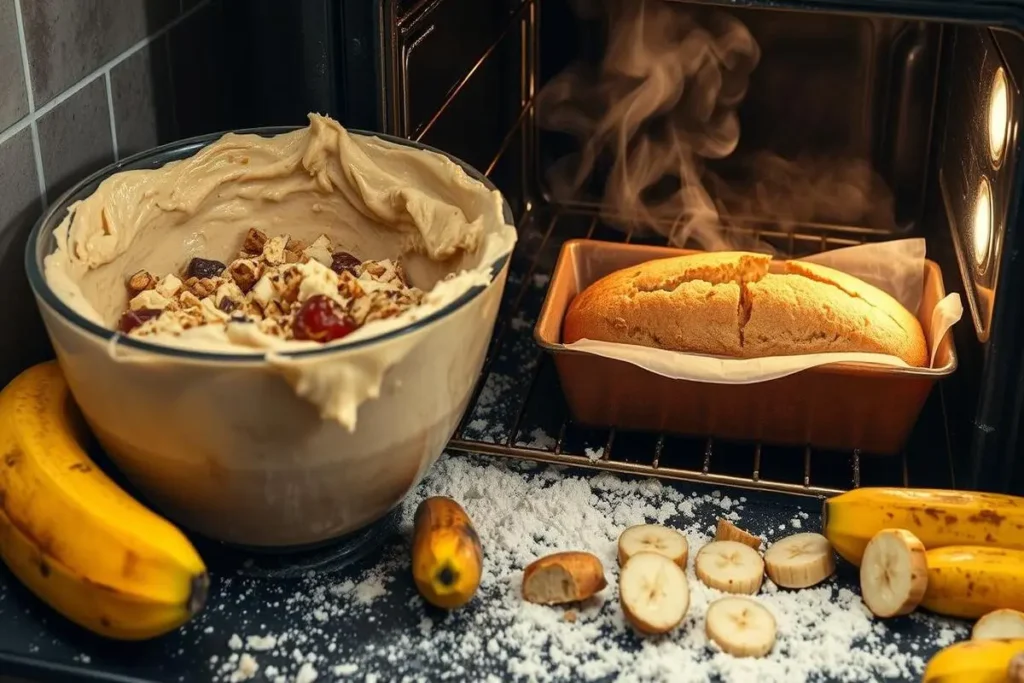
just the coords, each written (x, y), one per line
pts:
(893, 573)
(653, 538)
(727, 531)
(742, 627)
(653, 592)
(800, 561)
(1000, 624)
(730, 566)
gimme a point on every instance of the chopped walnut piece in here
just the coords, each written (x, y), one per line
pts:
(188, 300)
(288, 286)
(245, 273)
(375, 269)
(273, 250)
(254, 242)
(295, 245)
(201, 288)
(140, 282)
(272, 310)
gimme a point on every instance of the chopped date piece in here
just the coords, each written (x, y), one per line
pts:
(204, 268)
(321, 319)
(132, 319)
(342, 261)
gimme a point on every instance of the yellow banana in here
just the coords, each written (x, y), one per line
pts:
(971, 581)
(937, 517)
(446, 556)
(72, 536)
(974, 661)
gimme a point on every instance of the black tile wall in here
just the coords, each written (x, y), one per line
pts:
(75, 138)
(22, 339)
(69, 40)
(143, 99)
(105, 79)
(13, 96)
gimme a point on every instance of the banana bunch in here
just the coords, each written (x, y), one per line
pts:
(956, 553)
(72, 536)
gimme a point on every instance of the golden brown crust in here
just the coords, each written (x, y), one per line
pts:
(728, 304)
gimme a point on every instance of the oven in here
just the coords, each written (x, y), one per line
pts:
(829, 124)
(802, 126)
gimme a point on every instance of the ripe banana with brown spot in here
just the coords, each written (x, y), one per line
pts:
(72, 536)
(937, 517)
(976, 661)
(971, 581)
(447, 559)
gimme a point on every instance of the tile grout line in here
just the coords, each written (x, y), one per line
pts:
(30, 96)
(110, 111)
(29, 120)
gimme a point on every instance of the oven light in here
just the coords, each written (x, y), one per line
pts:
(982, 224)
(998, 116)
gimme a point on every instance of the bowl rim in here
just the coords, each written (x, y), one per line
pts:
(40, 242)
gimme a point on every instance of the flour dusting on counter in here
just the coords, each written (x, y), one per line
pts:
(522, 512)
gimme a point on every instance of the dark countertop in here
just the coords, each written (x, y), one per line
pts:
(366, 622)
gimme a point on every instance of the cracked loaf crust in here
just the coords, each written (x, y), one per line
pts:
(729, 304)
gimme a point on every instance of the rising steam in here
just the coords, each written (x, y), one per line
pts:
(661, 104)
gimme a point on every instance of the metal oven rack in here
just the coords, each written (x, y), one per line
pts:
(518, 411)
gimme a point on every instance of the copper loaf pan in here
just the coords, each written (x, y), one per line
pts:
(844, 406)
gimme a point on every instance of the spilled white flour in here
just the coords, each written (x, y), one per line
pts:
(524, 512)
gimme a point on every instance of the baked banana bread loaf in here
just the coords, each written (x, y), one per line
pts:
(729, 304)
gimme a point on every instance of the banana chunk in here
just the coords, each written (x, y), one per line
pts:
(653, 592)
(563, 578)
(653, 538)
(742, 627)
(727, 531)
(1001, 624)
(730, 566)
(800, 561)
(893, 573)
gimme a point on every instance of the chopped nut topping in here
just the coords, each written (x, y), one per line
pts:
(290, 290)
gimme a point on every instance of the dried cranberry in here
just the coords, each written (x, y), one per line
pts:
(132, 319)
(342, 261)
(202, 267)
(322, 319)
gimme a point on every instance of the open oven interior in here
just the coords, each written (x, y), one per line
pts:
(805, 131)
